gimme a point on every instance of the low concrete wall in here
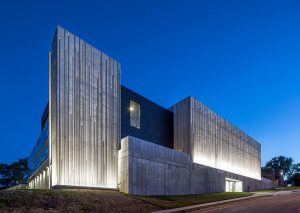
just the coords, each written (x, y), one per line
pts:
(149, 169)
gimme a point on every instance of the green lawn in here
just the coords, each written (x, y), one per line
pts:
(280, 189)
(2, 203)
(168, 202)
(292, 188)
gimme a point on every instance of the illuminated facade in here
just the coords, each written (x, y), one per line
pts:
(89, 112)
(212, 141)
(38, 160)
(84, 115)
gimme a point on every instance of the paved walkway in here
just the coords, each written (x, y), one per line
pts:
(256, 195)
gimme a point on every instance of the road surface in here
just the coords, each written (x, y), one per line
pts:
(281, 202)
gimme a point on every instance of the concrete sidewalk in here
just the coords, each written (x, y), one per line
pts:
(204, 205)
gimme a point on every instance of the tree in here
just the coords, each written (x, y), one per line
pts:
(14, 173)
(267, 169)
(295, 168)
(267, 173)
(295, 179)
(280, 165)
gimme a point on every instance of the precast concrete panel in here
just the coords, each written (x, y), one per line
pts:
(214, 142)
(146, 168)
(84, 112)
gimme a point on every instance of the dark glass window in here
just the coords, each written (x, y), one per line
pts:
(135, 114)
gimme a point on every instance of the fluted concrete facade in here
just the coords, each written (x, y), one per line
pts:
(214, 142)
(84, 112)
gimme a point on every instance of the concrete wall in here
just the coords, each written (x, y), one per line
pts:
(84, 114)
(149, 169)
(213, 141)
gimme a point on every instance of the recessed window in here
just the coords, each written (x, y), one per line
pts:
(135, 114)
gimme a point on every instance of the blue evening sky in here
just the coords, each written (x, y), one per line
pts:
(240, 58)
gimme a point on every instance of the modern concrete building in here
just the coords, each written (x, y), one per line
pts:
(97, 133)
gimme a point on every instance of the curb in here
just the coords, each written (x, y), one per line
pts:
(207, 205)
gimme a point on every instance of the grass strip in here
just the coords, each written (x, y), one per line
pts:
(168, 202)
(2, 203)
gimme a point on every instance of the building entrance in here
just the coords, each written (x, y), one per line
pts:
(232, 185)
